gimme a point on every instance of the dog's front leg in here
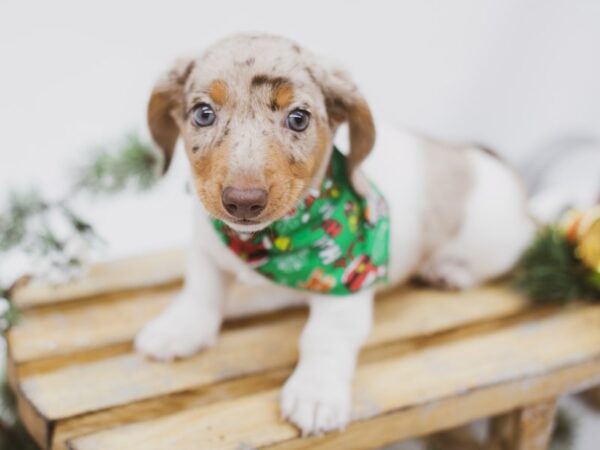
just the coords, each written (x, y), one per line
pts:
(318, 395)
(192, 320)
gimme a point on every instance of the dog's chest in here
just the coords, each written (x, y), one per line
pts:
(229, 262)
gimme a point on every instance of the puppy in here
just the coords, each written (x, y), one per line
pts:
(257, 115)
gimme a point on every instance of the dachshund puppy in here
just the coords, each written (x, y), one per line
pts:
(280, 210)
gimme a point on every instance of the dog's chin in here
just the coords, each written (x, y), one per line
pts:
(247, 226)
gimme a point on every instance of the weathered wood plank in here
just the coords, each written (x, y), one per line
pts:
(129, 273)
(456, 439)
(502, 431)
(53, 363)
(527, 428)
(591, 398)
(464, 356)
(116, 318)
(174, 403)
(449, 412)
(131, 377)
(80, 326)
(35, 423)
(447, 385)
(163, 406)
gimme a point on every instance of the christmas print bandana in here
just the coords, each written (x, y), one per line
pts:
(334, 242)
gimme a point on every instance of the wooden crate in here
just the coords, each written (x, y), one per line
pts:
(434, 361)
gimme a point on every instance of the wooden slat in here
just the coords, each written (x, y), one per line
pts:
(129, 273)
(36, 424)
(592, 398)
(456, 439)
(163, 406)
(131, 377)
(78, 326)
(116, 318)
(174, 403)
(527, 428)
(536, 423)
(466, 379)
(450, 412)
(463, 356)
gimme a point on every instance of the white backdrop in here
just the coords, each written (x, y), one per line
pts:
(509, 73)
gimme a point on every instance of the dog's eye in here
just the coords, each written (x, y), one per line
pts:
(298, 120)
(203, 115)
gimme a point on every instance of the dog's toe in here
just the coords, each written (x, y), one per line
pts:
(165, 338)
(316, 404)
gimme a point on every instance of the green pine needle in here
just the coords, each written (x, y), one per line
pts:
(550, 272)
(13, 221)
(565, 431)
(9, 318)
(136, 165)
(13, 435)
(25, 221)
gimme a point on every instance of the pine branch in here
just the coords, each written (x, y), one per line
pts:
(9, 317)
(13, 435)
(27, 221)
(13, 222)
(550, 272)
(136, 165)
(565, 431)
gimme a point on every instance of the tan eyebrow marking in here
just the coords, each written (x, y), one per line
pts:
(282, 91)
(260, 80)
(218, 91)
(282, 97)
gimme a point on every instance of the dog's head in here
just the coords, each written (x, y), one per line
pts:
(257, 115)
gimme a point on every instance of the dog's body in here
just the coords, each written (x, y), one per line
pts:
(458, 217)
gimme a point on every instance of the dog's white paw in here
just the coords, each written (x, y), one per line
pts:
(316, 403)
(176, 335)
(448, 274)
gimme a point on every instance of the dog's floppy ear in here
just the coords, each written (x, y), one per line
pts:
(345, 103)
(165, 107)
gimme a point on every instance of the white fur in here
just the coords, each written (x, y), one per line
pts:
(496, 226)
(317, 397)
(192, 320)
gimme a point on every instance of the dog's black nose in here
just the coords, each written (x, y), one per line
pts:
(244, 203)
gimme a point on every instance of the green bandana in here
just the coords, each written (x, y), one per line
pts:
(333, 242)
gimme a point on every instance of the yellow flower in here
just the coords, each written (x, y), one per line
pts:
(588, 247)
(570, 225)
